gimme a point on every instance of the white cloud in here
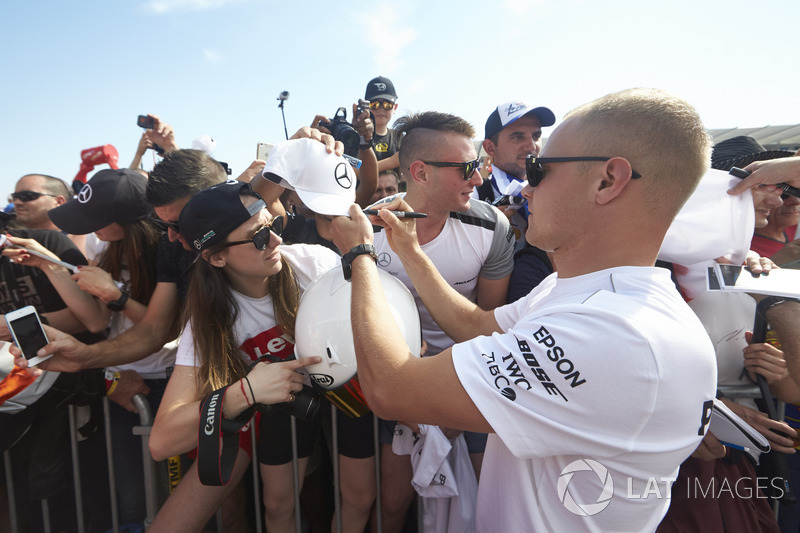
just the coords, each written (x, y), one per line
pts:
(386, 34)
(210, 56)
(159, 7)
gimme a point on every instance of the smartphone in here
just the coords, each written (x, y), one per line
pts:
(146, 122)
(28, 333)
(263, 150)
(503, 200)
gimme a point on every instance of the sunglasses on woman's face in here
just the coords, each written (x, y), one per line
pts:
(262, 237)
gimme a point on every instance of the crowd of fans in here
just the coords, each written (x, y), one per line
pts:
(187, 284)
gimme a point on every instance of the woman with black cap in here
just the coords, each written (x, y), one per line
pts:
(241, 308)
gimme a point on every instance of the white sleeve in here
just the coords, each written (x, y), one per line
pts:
(186, 355)
(549, 387)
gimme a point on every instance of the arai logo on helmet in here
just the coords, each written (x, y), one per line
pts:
(323, 380)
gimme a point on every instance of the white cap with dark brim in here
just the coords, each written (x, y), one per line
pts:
(325, 182)
(507, 113)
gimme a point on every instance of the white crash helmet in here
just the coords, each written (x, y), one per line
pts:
(323, 325)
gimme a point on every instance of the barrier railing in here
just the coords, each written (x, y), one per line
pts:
(152, 488)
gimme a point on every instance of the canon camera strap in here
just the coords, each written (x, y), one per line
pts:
(218, 439)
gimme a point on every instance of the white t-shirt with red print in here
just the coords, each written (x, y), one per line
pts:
(256, 331)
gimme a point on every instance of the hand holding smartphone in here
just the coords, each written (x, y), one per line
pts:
(263, 150)
(28, 333)
(146, 122)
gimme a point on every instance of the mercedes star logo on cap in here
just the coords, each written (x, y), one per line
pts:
(85, 194)
(341, 176)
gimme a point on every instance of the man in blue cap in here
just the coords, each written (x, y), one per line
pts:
(513, 131)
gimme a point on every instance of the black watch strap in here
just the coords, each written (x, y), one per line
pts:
(347, 259)
(119, 303)
(772, 301)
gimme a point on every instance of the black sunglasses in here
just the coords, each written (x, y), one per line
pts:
(469, 166)
(29, 196)
(377, 104)
(163, 225)
(262, 237)
(535, 172)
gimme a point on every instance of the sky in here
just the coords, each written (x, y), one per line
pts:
(77, 74)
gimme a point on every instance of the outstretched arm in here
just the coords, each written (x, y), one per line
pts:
(155, 329)
(392, 378)
(770, 172)
(460, 318)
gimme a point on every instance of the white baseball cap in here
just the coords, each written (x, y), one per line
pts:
(325, 182)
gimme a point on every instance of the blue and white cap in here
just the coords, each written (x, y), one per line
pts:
(507, 113)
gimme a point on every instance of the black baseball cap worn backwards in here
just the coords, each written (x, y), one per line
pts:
(110, 196)
(213, 213)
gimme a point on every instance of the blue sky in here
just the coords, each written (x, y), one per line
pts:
(77, 74)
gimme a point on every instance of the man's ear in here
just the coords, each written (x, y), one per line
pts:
(489, 147)
(219, 259)
(60, 200)
(418, 171)
(616, 175)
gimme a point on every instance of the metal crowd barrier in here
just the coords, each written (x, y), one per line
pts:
(151, 482)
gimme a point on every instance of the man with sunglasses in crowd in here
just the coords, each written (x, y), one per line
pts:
(470, 242)
(35, 195)
(382, 100)
(600, 382)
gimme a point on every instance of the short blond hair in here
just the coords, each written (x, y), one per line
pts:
(660, 134)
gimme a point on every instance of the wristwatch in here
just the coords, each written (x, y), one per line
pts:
(119, 303)
(347, 259)
(365, 144)
(772, 301)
